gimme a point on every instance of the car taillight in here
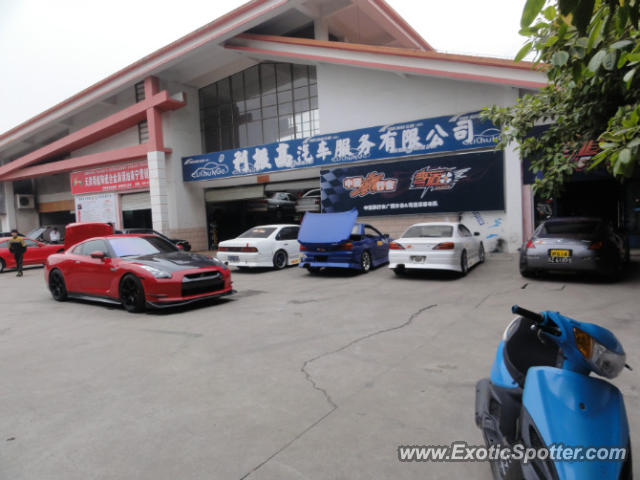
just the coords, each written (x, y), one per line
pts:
(317, 201)
(444, 246)
(395, 246)
(596, 246)
(530, 244)
(249, 249)
(346, 246)
(302, 248)
(223, 249)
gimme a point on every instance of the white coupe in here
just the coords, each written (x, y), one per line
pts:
(264, 246)
(438, 246)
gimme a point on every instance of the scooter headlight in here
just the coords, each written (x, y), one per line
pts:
(510, 328)
(603, 361)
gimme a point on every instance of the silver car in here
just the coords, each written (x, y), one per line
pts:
(574, 244)
(436, 246)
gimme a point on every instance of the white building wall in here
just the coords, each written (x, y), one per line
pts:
(126, 138)
(181, 128)
(352, 98)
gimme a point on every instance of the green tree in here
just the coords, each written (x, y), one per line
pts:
(590, 50)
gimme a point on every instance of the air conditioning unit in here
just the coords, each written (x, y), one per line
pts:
(25, 202)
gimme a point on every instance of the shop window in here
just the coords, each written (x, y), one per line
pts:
(266, 103)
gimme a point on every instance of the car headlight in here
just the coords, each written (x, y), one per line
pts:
(157, 273)
(603, 361)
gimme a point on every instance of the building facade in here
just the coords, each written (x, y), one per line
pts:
(250, 99)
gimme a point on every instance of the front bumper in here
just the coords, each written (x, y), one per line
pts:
(176, 302)
(433, 260)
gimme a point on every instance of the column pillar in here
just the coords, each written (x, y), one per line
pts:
(158, 190)
(9, 221)
(321, 29)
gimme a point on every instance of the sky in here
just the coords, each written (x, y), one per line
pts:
(52, 49)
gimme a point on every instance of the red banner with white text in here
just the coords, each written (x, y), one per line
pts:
(128, 176)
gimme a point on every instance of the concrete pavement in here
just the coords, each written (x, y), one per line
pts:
(296, 377)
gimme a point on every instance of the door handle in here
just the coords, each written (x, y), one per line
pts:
(77, 261)
(286, 244)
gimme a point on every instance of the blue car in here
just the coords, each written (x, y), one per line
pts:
(335, 240)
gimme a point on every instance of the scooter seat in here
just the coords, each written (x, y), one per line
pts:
(524, 350)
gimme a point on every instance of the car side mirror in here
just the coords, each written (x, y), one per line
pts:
(98, 255)
(476, 234)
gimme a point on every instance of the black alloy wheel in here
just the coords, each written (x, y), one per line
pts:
(132, 294)
(280, 260)
(365, 262)
(57, 286)
(464, 263)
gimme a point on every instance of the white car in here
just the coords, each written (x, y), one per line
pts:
(438, 246)
(309, 202)
(264, 246)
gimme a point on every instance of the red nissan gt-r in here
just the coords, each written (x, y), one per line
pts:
(36, 253)
(134, 270)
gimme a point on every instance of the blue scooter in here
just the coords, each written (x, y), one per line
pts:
(540, 396)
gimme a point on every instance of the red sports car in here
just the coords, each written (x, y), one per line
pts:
(36, 254)
(134, 270)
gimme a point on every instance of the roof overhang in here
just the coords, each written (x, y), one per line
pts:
(424, 63)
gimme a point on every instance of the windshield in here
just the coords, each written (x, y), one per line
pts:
(139, 246)
(586, 227)
(429, 231)
(36, 233)
(257, 232)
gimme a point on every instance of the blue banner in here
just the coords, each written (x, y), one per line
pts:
(442, 134)
(457, 183)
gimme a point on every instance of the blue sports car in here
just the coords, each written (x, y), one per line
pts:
(336, 240)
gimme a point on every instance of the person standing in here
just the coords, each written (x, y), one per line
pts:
(17, 246)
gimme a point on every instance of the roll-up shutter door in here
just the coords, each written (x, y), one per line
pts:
(234, 193)
(135, 201)
(295, 185)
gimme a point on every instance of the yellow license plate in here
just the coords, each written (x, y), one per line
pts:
(560, 253)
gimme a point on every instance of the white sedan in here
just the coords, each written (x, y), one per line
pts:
(264, 246)
(438, 246)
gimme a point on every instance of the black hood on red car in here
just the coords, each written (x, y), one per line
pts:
(176, 261)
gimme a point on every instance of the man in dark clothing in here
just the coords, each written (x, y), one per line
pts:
(17, 247)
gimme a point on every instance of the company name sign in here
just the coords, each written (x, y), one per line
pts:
(434, 135)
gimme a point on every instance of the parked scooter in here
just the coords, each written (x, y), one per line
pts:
(540, 395)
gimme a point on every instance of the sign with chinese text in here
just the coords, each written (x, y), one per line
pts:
(128, 176)
(434, 135)
(100, 207)
(460, 183)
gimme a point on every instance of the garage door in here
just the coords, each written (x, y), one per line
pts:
(236, 193)
(135, 201)
(297, 185)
